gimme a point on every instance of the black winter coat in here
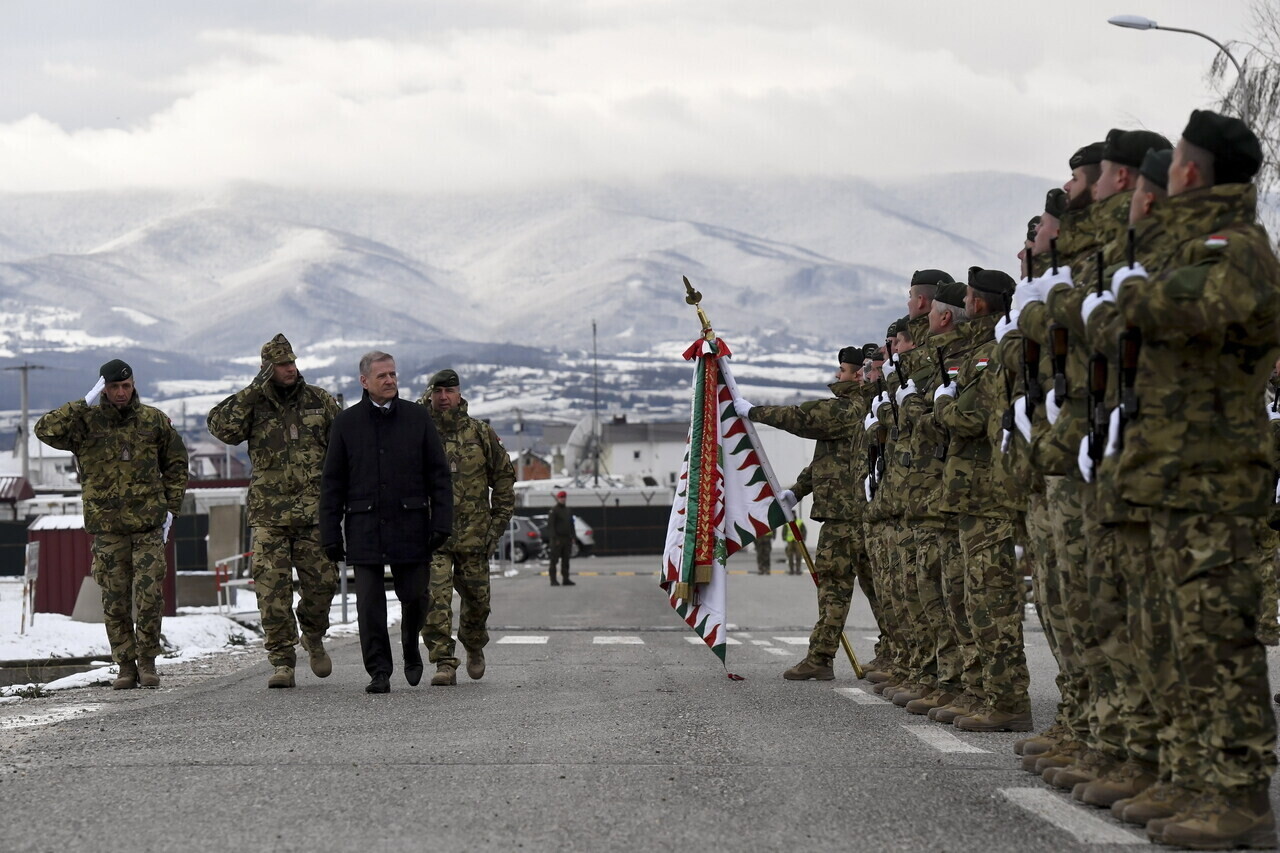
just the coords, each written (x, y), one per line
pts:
(387, 474)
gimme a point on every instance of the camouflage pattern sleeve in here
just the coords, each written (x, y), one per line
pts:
(65, 427)
(173, 466)
(824, 420)
(804, 483)
(963, 416)
(502, 479)
(1033, 322)
(231, 421)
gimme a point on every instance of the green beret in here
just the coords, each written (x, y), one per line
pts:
(115, 371)
(1055, 202)
(904, 326)
(951, 293)
(278, 351)
(1155, 166)
(444, 379)
(1032, 224)
(1128, 147)
(893, 329)
(872, 351)
(1090, 155)
(850, 355)
(930, 277)
(990, 281)
(1237, 154)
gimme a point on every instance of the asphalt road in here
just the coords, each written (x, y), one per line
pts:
(597, 727)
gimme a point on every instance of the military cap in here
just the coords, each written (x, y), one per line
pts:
(1155, 166)
(444, 379)
(1237, 154)
(930, 277)
(1089, 155)
(1055, 202)
(278, 351)
(893, 329)
(951, 293)
(990, 281)
(872, 351)
(1128, 147)
(1032, 224)
(115, 371)
(904, 326)
(850, 355)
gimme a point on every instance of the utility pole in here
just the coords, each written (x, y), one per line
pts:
(595, 405)
(26, 417)
(519, 446)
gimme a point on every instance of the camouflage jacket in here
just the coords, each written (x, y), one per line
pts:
(1210, 325)
(890, 496)
(920, 456)
(288, 433)
(132, 462)
(832, 423)
(479, 463)
(967, 480)
(1273, 405)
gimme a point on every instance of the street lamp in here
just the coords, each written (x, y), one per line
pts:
(1137, 22)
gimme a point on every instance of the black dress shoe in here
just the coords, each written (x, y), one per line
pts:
(567, 582)
(379, 684)
(413, 673)
(555, 582)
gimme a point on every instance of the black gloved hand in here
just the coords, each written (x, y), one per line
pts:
(335, 552)
(435, 539)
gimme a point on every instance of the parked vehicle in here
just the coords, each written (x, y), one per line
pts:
(584, 538)
(521, 541)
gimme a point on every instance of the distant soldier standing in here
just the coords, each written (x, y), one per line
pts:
(483, 499)
(287, 423)
(795, 562)
(560, 535)
(764, 552)
(133, 468)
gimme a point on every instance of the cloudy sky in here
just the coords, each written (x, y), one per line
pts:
(476, 94)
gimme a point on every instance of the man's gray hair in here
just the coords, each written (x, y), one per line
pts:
(957, 312)
(367, 360)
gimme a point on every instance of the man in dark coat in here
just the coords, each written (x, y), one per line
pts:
(387, 476)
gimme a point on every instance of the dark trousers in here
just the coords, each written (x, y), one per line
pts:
(559, 551)
(371, 612)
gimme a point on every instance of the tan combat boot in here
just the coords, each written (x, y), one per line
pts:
(1089, 766)
(1064, 756)
(475, 664)
(282, 676)
(321, 663)
(925, 704)
(147, 673)
(128, 677)
(991, 720)
(1240, 817)
(1041, 743)
(1161, 801)
(1124, 782)
(804, 671)
(910, 694)
(445, 676)
(966, 703)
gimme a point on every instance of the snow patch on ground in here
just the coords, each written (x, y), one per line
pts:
(136, 316)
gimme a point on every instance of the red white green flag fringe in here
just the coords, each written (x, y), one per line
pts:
(725, 498)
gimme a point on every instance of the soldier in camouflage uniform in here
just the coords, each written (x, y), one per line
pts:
(1195, 453)
(483, 499)
(764, 552)
(992, 585)
(287, 423)
(833, 423)
(133, 469)
(1268, 630)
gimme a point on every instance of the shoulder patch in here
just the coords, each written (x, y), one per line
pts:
(1217, 241)
(981, 363)
(953, 371)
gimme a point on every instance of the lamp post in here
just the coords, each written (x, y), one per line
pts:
(1138, 22)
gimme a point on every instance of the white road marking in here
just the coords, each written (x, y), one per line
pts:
(522, 640)
(793, 641)
(761, 643)
(862, 697)
(774, 650)
(941, 740)
(871, 639)
(698, 641)
(623, 640)
(1081, 824)
(44, 719)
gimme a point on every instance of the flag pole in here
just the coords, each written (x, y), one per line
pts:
(694, 298)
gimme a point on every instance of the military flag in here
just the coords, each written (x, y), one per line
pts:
(725, 498)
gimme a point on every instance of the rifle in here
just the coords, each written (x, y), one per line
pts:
(1098, 390)
(893, 404)
(1130, 344)
(1058, 335)
(1031, 350)
(940, 449)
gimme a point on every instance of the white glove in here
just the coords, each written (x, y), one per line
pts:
(1020, 419)
(1005, 438)
(1120, 276)
(1092, 301)
(1028, 292)
(787, 498)
(1113, 433)
(1278, 491)
(1084, 460)
(866, 488)
(906, 391)
(91, 398)
(870, 421)
(888, 369)
(1004, 327)
(1018, 551)
(1052, 279)
(948, 390)
(1273, 415)
(1051, 407)
(742, 407)
(881, 400)
(164, 531)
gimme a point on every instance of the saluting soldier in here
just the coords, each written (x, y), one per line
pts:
(286, 422)
(133, 470)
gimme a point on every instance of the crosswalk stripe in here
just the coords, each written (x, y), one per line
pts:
(862, 697)
(761, 643)
(522, 640)
(774, 650)
(940, 740)
(624, 640)
(1079, 823)
(793, 641)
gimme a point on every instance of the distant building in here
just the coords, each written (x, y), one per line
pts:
(529, 465)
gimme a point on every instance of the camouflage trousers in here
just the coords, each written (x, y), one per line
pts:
(948, 663)
(1113, 675)
(1269, 601)
(862, 572)
(1210, 566)
(993, 603)
(1066, 520)
(889, 648)
(1047, 588)
(469, 575)
(917, 632)
(795, 564)
(130, 570)
(764, 553)
(277, 551)
(837, 550)
(893, 594)
(952, 587)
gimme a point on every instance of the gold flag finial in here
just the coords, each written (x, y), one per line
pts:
(694, 298)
